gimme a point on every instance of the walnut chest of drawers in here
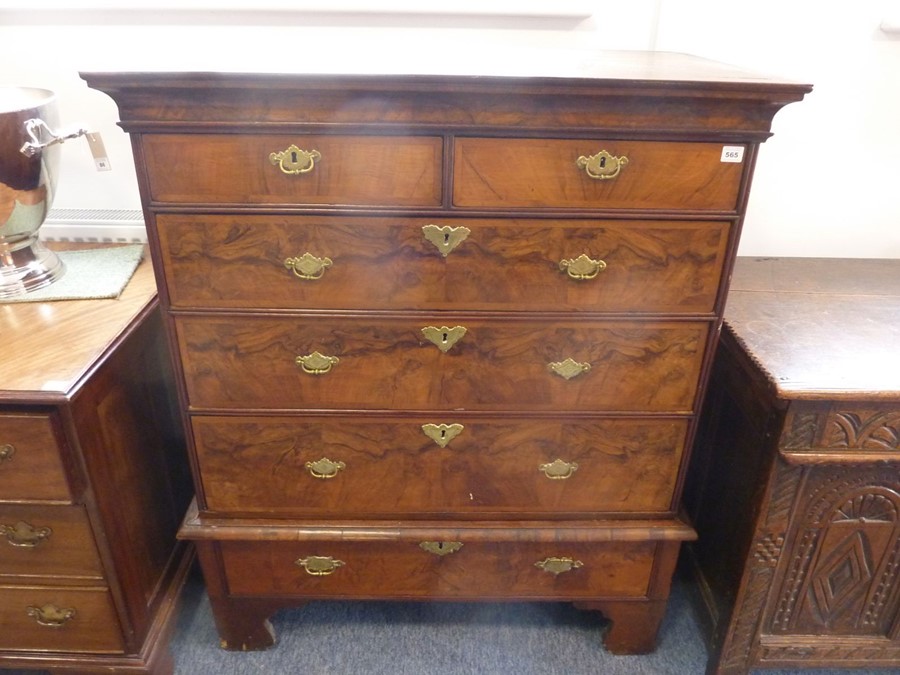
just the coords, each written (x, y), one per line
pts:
(795, 480)
(444, 336)
(93, 485)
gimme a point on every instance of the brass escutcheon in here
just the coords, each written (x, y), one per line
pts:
(50, 615)
(582, 267)
(445, 238)
(324, 468)
(441, 548)
(569, 368)
(316, 363)
(294, 160)
(557, 566)
(24, 535)
(602, 166)
(308, 266)
(319, 566)
(7, 450)
(442, 434)
(444, 338)
(558, 469)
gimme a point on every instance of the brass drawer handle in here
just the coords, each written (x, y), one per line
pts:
(558, 469)
(445, 238)
(441, 548)
(316, 363)
(569, 368)
(308, 266)
(324, 468)
(50, 615)
(7, 450)
(294, 161)
(319, 566)
(557, 566)
(582, 268)
(602, 166)
(442, 434)
(24, 535)
(444, 338)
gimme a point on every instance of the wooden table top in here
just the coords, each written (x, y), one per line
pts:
(820, 327)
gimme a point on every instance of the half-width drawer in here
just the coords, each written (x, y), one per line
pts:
(294, 169)
(363, 467)
(47, 541)
(594, 174)
(458, 569)
(320, 262)
(378, 362)
(31, 465)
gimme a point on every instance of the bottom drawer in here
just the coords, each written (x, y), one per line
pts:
(557, 570)
(39, 618)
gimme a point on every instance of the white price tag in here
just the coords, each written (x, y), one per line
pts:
(733, 153)
(98, 151)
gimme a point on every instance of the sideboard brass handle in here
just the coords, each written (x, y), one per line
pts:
(442, 434)
(444, 338)
(24, 535)
(295, 161)
(557, 566)
(50, 615)
(308, 266)
(318, 565)
(558, 469)
(569, 368)
(324, 468)
(582, 268)
(441, 548)
(445, 238)
(316, 363)
(602, 166)
(7, 450)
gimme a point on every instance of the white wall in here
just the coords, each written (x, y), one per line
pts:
(827, 183)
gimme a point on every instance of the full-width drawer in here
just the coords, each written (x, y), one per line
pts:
(377, 362)
(404, 569)
(47, 541)
(320, 262)
(47, 619)
(594, 174)
(31, 466)
(274, 169)
(361, 466)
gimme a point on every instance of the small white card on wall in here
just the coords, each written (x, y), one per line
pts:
(733, 153)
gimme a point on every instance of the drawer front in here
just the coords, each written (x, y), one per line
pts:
(477, 570)
(39, 618)
(384, 363)
(395, 263)
(358, 466)
(350, 170)
(54, 541)
(535, 173)
(31, 467)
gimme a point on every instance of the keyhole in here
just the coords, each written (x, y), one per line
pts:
(294, 157)
(602, 162)
(444, 339)
(446, 237)
(443, 433)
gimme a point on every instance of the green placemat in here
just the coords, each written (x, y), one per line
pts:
(90, 274)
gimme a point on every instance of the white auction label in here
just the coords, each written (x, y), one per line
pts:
(733, 153)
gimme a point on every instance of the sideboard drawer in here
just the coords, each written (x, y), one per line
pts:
(327, 362)
(31, 467)
(361, 466)
(230, 261)
(537, 173)
(477, 570)
(348, 170)
(52, 541)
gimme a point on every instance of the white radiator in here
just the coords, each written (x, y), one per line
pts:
(94, 225)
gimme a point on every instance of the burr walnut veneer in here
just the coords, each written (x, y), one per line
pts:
(444, 336)
(93, 484)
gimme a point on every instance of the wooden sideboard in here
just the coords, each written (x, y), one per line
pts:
(794, 485)
(93, 484)
(444, 336)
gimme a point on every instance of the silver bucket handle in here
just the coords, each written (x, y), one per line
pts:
(43, 136)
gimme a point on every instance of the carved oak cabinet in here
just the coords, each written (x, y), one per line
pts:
(795, 479)
(444, 336)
